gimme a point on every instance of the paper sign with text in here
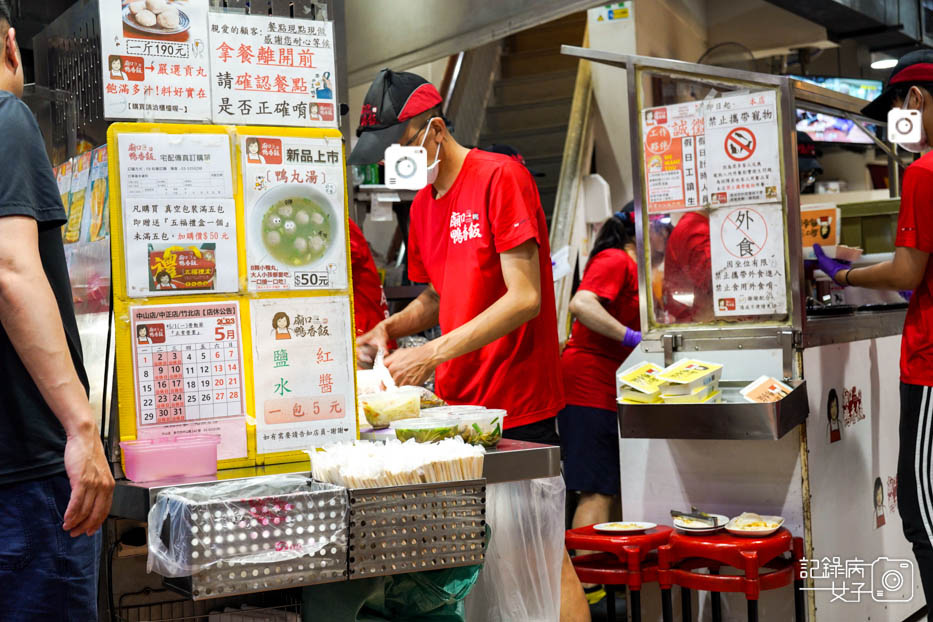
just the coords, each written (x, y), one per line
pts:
(154, 59)
(272, 71)
(675, 157)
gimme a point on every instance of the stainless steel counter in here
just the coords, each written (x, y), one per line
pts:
(510, 461)
(821, 331)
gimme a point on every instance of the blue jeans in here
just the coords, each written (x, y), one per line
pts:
(45, 574)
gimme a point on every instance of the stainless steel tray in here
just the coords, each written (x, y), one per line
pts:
(412, 528)
(732, 419)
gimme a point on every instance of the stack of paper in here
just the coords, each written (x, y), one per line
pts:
(766, 389)
(639, 384)
(691, 381)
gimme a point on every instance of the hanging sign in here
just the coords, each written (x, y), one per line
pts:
(272, 71)
(154, 59)
(747, 253)
(302, 372)
(743, 156)
(294, 196)
(675, 157)
(820, 224)
(188, 372)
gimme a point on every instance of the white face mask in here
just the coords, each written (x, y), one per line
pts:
(407, 165)
(432, 169)
(920, 145)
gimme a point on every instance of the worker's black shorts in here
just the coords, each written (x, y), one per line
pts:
(544, 432)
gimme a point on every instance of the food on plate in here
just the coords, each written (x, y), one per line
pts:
(752, 521)
(481, 428)
(156, 6)
(169, 18)
(297, 231)
(137, 6)
(622, 526)
(381, 409)
(423, 431)
(686, 521)
(146, 18)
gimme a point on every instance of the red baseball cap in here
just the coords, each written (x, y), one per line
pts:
(912, 68)
(393, 99)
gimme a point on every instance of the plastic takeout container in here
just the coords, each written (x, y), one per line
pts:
(151, 459)
(381, 409)
(426, 430)
(481, 427)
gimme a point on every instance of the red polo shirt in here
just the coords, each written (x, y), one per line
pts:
(915, 230)
(688, 280)
(369, 299)
(590, 360)
(454, 244)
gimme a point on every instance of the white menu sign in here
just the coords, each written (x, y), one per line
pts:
(303, 372)
(155, 60)
(270, 70)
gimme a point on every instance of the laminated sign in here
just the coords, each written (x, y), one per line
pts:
(743, 158)
(155, 60)
(747, 252)
(675, 157)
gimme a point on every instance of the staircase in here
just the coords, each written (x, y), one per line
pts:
(530, 102)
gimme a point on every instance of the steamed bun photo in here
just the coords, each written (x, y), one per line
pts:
(154, 13)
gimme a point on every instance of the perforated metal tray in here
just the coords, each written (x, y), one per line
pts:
(282, 539)
(414, 528)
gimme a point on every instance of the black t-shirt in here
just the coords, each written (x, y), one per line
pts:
(32, 441)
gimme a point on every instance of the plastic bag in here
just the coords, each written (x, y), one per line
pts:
(520, 580)
(245, 521)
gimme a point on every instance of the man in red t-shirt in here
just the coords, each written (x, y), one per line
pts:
(910, 86)
(478, 237)
(369, 300)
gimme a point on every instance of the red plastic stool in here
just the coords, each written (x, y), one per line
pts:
(684, 554)
(624, 560)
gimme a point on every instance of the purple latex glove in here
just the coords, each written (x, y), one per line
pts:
(906, 294)
(632, 338)
(830, 266)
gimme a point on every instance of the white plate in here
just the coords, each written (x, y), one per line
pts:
(184, 23)
(757, 533)
(721, 521)
(624, 527)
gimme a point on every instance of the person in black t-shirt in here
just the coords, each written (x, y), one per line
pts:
(55, 483)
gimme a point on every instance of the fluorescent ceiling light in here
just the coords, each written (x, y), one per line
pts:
(884, 63)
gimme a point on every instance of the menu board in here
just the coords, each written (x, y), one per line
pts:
(302, 372)
(179, 215)
(155, 59)
(675, 157)
(269, 70)
(295, 217)
(747, 253)
(188, 372)
(743, 155)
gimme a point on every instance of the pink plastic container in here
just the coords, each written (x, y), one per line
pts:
(151, 459)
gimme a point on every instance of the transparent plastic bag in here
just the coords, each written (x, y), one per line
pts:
(520, 580)
(259, 520)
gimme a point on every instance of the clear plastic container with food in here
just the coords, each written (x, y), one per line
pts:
(426, 430)
(381, 409)
(482, 427)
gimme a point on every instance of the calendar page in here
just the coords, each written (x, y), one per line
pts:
(189, 372)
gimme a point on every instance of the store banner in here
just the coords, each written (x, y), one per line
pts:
(293, 189)
(303, 372)
(747, 252)
(155, 60)
(743, 149)
(188, 371)
(270, 70)
(675, 157)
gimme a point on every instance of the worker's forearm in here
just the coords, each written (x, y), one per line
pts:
(420, 314)
(882, 275)
(31, 319)
(499, 319)
(599, 320)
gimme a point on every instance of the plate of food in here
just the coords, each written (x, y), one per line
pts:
(625, 527)
(156, 17)
(751, 524)
(690, 524)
